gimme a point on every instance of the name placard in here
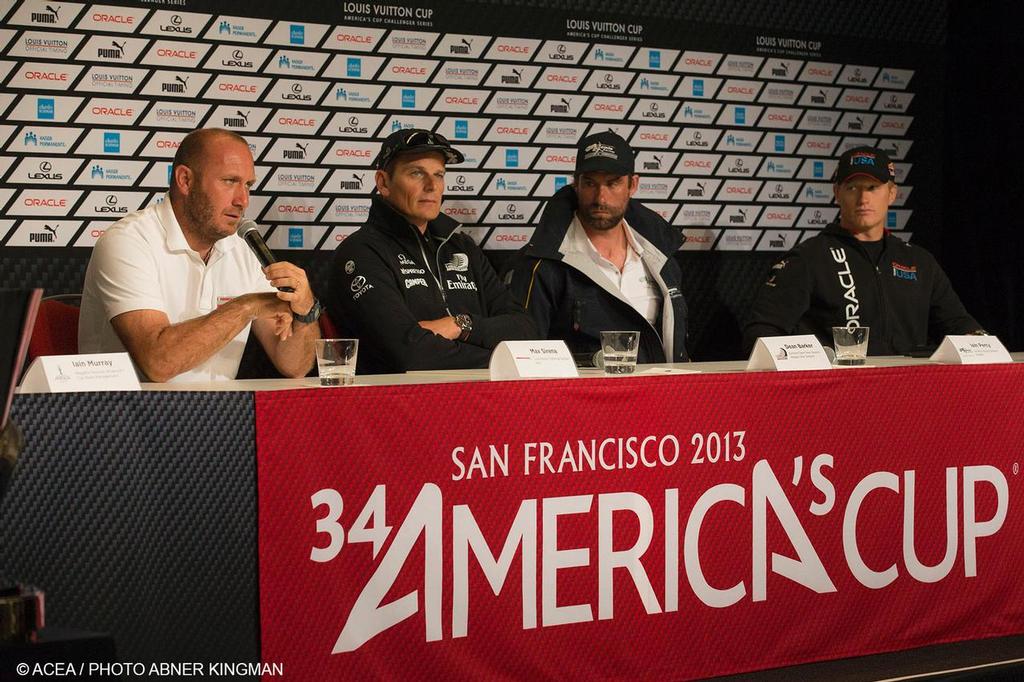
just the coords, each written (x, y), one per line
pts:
(971, 349)
(532, 360)
(77, 373)
(785, 353)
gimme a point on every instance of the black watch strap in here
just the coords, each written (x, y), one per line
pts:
(309, 318)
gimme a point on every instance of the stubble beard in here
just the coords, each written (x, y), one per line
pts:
(200, 213)
(591, 222)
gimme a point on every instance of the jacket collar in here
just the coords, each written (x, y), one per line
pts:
(388, 220)
(561, 208)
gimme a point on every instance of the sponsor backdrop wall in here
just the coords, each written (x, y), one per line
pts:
(736, 119)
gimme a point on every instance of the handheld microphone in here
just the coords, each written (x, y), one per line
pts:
(250, 233)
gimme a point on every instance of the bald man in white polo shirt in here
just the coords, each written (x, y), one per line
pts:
(176, 287)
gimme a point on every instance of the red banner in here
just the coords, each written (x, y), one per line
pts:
(646, 528)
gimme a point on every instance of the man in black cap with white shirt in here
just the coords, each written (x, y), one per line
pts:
(418, 294)
(601, 261)
(856, 274)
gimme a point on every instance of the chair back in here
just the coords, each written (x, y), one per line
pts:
(56, 330)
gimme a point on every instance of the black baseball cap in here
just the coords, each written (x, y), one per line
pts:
(867, 161)
(412, 140)
(604, 152)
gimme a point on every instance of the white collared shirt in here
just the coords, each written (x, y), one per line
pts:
(633, 281)
(142, 262)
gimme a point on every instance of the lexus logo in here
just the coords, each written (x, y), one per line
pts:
(353, 120)
(111, 200)
(46, 166)
(238, 54)
(297, 88)
(176, 20)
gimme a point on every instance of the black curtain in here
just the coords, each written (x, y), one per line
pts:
(981, 245)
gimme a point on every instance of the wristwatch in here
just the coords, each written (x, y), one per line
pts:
(465, 323)
(312, 316)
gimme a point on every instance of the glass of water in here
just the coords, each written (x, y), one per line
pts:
(851, 345)
(619, 350)
(336, 361)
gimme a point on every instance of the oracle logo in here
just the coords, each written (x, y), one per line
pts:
(560, 78)
(617, 108)
(288, 208)
(349, 38)
(167, 144)
(49, 203)
(737, 90)
(859, 99)
(96, 234)
(45, 76)
(779, 216)
(304, 122)
(175, 54)
(471, 101)
(657, 137)
(560, 158)
(785, 118)
(698, 239)
(695, 61)
(236, 87)
(739, 190)
(819, 72)
(113, 111)
(357, 153)
(690, 163)
(510, 238)
(505, 130)
(898, 125)
(458, 210)
(113, 18)
(812, 144)
(517, 49)
(410, 70)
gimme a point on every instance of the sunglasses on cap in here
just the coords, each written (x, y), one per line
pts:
(416, 141)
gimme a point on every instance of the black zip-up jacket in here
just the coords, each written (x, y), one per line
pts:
(829, 281)
(571, 299)
(387, 277)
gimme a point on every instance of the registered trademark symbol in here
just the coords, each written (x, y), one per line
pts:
(1016, 468)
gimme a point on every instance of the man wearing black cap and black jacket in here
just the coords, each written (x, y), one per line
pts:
(416, 293)
(601, 261)
(856, 274)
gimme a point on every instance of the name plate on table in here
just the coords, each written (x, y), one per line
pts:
(78, 373)
(532, 360)
(784, 353)
(971, 349)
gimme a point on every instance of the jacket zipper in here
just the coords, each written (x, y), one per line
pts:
(440, 287)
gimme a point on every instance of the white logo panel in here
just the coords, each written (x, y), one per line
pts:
(461, 45)
(295, 209)
(176, 115)
(112, 205)
(172, 53)
(44, 13)
(121, 50)
(44, 233)
(43, 76)
(176, 24)
(237, 29)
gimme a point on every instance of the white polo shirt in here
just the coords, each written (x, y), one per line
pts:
(634, 281)
(143, 262)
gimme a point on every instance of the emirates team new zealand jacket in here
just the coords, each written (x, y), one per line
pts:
(829, 280)
(387, 277)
